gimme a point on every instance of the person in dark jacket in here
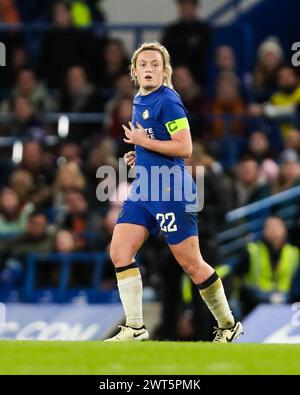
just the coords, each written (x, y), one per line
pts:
(188, 39)
(63, 47)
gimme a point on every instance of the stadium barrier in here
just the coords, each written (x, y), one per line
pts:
(245, 223)
(27, 284)
(271, 323)
(25, 321)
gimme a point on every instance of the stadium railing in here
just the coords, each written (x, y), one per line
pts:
(63, 291)
(245, 223)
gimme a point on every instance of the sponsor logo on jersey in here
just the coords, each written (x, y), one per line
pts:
(150, 133)
(145, 114)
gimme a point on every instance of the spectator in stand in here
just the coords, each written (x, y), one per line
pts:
(292, 140)
(249, 185)
(20, 60)
(123, 90)
(80, 96)
(21, 181)
(28, 87)
(78, 218)
(112, 62)
(102, 154)
(25, 124)
(120, 115)
(289, 175)
(37, 238)
(63, 47)
(188, 39)
(68, 178)
(192, 97)
(270, 59)
(259, 149)
(225, 59)
(259, 146)
(69, 152)
(267, 268)
(227, 102)
(188, 89)
(17, 59)
(64, 241)
(41, 239)
(13, 214)
(38, 163)
(283, 103)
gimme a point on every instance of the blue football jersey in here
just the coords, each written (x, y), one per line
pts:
(161, 113)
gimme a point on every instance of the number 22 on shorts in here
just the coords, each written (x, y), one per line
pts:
(167, 222)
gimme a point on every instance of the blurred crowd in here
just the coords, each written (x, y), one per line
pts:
(245, 128)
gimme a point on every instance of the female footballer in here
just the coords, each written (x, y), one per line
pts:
(161, 135)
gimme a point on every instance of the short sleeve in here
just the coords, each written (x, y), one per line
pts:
(174, 116)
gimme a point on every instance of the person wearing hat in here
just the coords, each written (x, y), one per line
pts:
(270, 58)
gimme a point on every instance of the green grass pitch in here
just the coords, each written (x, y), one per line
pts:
(57, 357)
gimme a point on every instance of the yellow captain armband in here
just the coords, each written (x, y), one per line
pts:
(177, 125)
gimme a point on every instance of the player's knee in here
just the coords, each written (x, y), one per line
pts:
(120, 256)
(193, 268)
(188, 267)
(115, 256)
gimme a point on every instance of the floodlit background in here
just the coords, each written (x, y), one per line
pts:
(64, 93)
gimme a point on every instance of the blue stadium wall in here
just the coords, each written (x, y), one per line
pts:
(274, 18)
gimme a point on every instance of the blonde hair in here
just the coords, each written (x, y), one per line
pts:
(76, 177)
(154, 46)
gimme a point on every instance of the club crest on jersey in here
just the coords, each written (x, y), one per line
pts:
(145, 114)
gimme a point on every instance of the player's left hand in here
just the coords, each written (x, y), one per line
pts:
(135, 135)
